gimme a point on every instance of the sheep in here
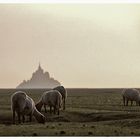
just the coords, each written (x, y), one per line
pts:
(52, 98)
(23, 105)
(63, 92)
(131, 95)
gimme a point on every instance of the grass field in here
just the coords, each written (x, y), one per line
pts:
(89, 112)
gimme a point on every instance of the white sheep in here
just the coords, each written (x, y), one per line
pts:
(23, 105)
(131, 95)
(51, 98)
(63, 92)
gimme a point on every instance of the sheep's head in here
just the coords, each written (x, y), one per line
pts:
(42, 119)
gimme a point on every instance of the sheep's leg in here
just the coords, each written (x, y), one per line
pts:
(58, 112)
(131, 103)
(19, 121)
(54, 110)
(30, 118)
(124, 100)
(50, 109)
(23, 118)
(45, 108)
(13, 116)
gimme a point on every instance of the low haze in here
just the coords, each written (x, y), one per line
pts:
(80, 45)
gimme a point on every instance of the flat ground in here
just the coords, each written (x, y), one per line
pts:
(89, 112)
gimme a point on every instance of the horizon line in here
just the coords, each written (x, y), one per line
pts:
(75, 88)
(70, 1)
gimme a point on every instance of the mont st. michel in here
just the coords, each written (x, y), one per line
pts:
(39, 79)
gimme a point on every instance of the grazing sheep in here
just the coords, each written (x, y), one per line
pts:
(51, 98)
(23, 105)
(131, 95)
(63, 92)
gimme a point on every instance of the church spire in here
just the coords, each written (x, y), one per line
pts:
(39, 66)
(39, 79)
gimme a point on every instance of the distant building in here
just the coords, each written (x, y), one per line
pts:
(39, 79)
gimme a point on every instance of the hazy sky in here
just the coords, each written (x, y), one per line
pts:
(80, 45)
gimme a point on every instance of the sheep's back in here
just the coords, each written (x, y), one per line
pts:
(18, 100)
(62, 90)
(131, 94)
(51, 97)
